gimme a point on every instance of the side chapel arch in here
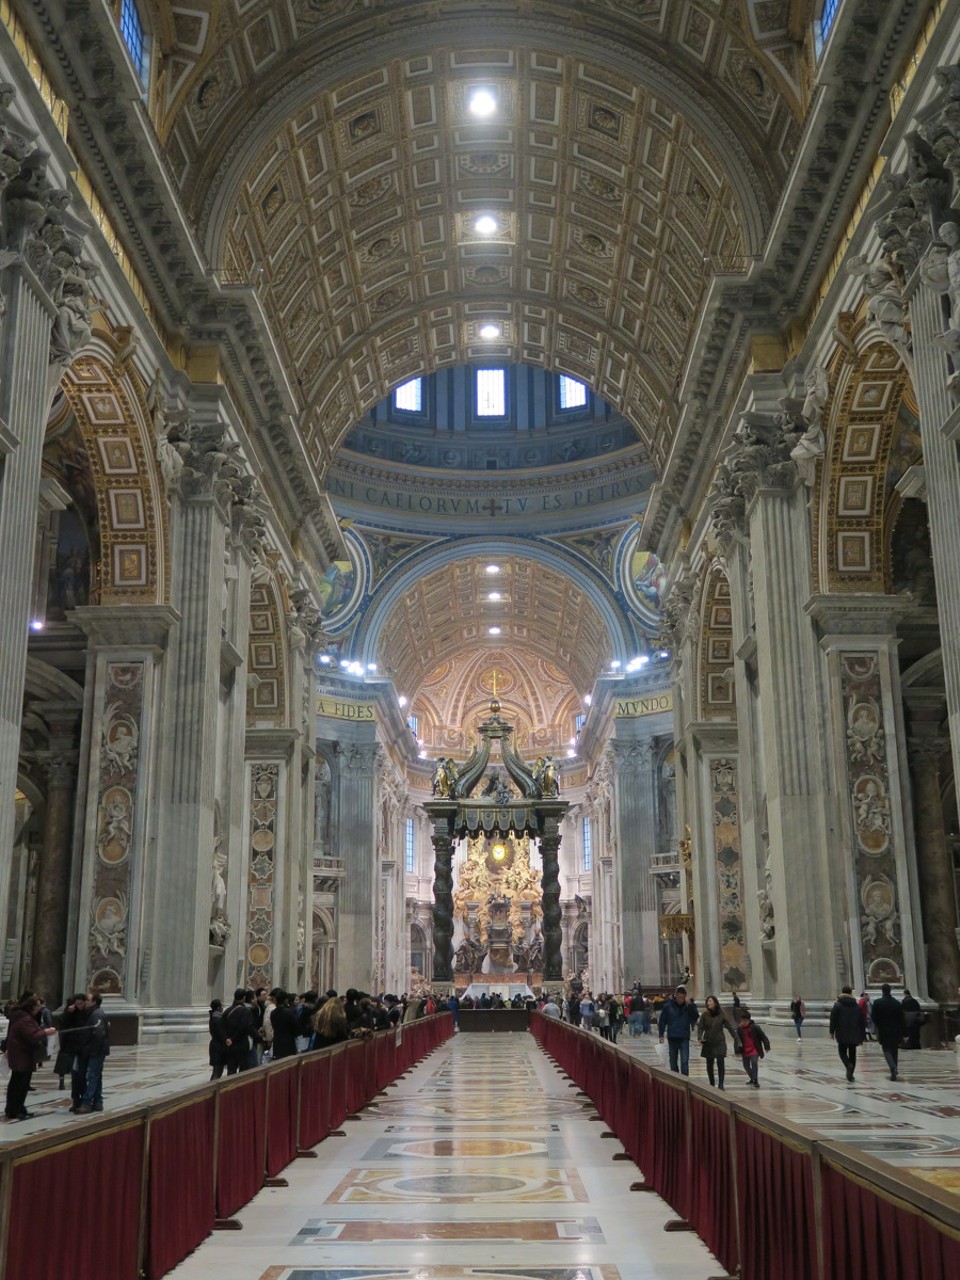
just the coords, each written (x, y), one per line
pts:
(111, 412)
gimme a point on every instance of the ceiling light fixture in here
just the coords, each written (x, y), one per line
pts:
(482, 103)
(489, 331)
(402, 699)
(494, 631)
(485, 225)
(494, 595)
(492, 568)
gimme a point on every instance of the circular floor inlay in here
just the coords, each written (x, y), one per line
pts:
(457, 1185)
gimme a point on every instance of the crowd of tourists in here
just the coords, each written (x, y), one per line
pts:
(263, 1026)
(28, 1041)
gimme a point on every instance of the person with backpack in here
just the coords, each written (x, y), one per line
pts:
(751, 1044)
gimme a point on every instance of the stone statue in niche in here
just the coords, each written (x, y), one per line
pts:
(219, 924)
(321, 821)
(668, 802)
(768, 924)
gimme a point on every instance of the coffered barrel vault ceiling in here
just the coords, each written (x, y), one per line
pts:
(330, 156)
(541, 613)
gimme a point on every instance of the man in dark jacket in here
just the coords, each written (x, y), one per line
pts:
(846, 1028)
(677, 1016)
(93, 1054)
(889, 1020)
(913, 1017)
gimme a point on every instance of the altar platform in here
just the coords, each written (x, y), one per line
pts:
(506, 989)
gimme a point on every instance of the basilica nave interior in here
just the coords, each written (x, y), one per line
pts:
(360, 368)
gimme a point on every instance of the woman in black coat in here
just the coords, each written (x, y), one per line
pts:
(218, 1040)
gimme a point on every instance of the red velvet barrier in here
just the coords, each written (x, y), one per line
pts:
(776, 1210)
(338, 1086)
(627, 1102)
(712, 1200)
(370, 1047)
(869, 1236)
(646, 1121)
(240, 1142)
(75, 1209)
(282, 1092)
(356, 1085)
(181, 1207)
(670, 1169)
(314, 1099)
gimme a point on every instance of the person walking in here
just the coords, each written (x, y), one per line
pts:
(677, 1016)
(613, 1019)
(712, 1031)
(847, 1029)
(913, 1016)
(890, 1023)
(752, 1045)
(798, 1011)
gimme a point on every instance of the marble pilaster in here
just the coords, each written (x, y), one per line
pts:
(634, 782)
(939, 430)
(791, 770)
(27, 381)
(357, 846)
(118, 816)
(271, 859)
(935, 868)
(858, 637)
(177, 908)
(53, 877)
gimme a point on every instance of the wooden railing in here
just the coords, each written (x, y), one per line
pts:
(133, 1193)
(767, 1198)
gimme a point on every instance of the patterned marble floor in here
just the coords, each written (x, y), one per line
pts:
(913, 1123)
(481, 1165)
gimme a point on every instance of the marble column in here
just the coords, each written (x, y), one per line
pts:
(935, 865)
(552, 922)
(635, 808)
(442, 901)
(53, 877)
(357, 846)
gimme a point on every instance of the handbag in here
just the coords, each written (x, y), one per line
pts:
(662, 1055)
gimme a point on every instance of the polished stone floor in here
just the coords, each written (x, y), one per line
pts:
(913, 1123)
(482, 1163)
